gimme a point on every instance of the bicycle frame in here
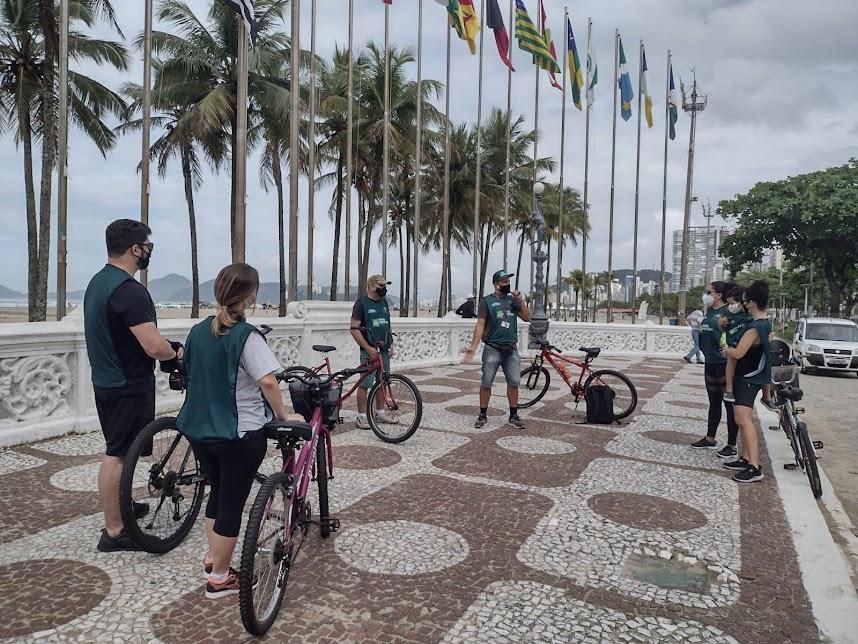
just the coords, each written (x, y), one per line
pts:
(365, 369)
(555, 359)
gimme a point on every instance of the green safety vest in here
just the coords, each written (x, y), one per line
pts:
(376, 317)
(738, 323)
(710, 335)
(211, 371)
(755, 367)
(500, 309)
(103, 360)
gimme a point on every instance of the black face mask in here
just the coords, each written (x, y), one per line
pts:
(506, 289)
(381, 291)
(143, 262)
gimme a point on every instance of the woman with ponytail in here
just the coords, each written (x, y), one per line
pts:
(231, 393)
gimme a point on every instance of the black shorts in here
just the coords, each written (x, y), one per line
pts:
(745, 393)
(122, 415)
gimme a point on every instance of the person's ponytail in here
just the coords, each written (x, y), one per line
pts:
(234, 285)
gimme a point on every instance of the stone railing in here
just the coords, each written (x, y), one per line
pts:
(45, 380)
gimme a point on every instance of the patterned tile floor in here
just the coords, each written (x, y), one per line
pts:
(560, 532)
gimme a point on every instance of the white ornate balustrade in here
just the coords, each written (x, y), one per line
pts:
(45, 381)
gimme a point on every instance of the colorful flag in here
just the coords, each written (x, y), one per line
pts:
(463, 18)
(387, 1)
(672, 106)
(592, 75)
(576, 72)
(530, 40)
(644, 89)
(244, 8)
(494, 20)
(546, 35)
(626, 92)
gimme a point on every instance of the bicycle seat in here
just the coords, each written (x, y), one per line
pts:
(791, 393)
(323, 348)
(288, 430)
(591, 351)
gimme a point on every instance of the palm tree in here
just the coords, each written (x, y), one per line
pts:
(28, 106)
(573, 220)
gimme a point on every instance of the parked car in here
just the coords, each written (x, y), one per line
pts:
(826, 343)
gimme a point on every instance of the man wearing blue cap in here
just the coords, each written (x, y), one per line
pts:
(497, 327)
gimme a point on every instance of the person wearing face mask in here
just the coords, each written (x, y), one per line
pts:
(122, 343)
(372, 312)
(497, 327)
(733, 326)
(231, 393)
(715, 371)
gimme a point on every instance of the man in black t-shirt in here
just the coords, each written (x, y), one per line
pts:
(122, 343)
(468, 309)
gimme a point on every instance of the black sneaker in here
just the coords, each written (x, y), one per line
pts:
(739, 464)
(120, 543)
(140, 509)
(750, 474)
(687, 359)
(728, 451)
(515, 421)
(705, 443)
(481, 421)
(769, 404)
(729, 397)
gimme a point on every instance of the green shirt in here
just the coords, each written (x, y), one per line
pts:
(501, 316)
(375, 316)
(210, 412)
(755, 366)
(736, 327)
(710, 334)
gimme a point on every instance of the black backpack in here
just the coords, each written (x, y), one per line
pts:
(600, 405)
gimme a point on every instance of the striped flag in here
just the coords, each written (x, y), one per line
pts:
(494, 21)
(592, 75)
(672, 106)
(546, 35)
(463, 18)
(244, 8)
(576, 72)
(530, 40)
(626, 91)
(644, 89)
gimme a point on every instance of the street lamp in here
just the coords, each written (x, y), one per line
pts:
(538, 317)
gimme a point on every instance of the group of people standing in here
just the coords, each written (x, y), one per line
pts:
(733, 336)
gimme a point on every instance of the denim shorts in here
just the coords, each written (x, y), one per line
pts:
(511, 367)
(369, 381)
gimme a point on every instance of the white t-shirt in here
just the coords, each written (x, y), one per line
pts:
(257, 361)
(695, 318)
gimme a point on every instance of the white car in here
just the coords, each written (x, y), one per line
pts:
(826, 343)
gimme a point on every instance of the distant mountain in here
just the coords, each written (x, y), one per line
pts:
(162, 288)
(9, 294)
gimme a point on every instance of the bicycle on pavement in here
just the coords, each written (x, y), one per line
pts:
(394, 393)
(536, 379)
(787, 394)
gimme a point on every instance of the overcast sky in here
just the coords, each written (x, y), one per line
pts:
(781, 76)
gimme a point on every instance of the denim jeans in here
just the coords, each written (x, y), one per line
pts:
(695, 350)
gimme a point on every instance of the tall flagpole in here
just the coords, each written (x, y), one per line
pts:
(637, 186)
(535, 144)
(147, 110)
(664, 191)
(62, 159)
(477, 184)
(586, 176)
(508, 135)
(418, 156)
(562, 158)
(385, 198)
(311, 161)
(610, 312)
(349, 155)
(294, 156)
(445, 242)
(240, 153)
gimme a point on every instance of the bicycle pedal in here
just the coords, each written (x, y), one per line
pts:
(799, 410)
(340, 420)
(332, 524)
(774, 428)
(790, 466)
(817, 444)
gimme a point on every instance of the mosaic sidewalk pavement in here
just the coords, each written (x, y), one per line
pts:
(562, 532)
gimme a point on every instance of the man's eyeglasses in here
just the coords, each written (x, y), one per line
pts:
(149, 246)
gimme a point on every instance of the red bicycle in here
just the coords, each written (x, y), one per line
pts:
(535, 380)
(393, 394)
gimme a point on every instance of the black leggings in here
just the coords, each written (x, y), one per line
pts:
(716, 383)
(229, 467)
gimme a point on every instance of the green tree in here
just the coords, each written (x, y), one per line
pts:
(812, 217)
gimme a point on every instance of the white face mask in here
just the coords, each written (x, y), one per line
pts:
(734, 308)
(708, 299)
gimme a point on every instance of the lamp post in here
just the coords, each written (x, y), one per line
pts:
(538, 317)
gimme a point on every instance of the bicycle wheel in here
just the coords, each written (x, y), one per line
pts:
(266, 554)
(808, 455)
(534, 384)
(322, 478)
(161, 470)
(625, 394)
(402, 405)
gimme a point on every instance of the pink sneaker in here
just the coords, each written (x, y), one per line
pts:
(217, 589)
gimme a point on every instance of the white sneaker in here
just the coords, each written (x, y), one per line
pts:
(386, 417)
(362, 422)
